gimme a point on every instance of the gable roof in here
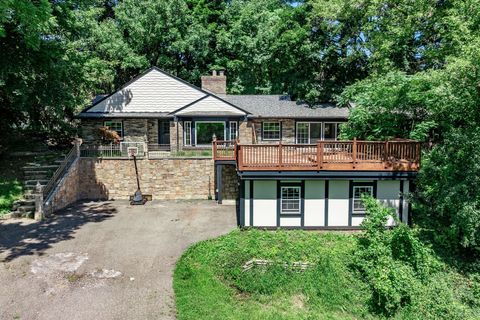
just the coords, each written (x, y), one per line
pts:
(157, 92)
(281, 106)
(210, 105)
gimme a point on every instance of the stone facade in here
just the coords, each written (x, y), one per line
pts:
(147, 130)
(230, 182)
(163, 178)
(176, 129)
(67, 190)
(245, 132)
(152, 131)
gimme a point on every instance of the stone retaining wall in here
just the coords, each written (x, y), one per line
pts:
(67, 190)
(162, 178)
(173, 179)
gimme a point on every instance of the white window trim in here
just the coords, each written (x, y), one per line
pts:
(117, 121)
(196, 135)
(189, 132)
(336, 130)
(299, 200)
(236, 129)
(309, 138)
(354, 198)
(280, 131)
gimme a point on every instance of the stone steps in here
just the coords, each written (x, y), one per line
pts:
(35, 181)
(48, 167)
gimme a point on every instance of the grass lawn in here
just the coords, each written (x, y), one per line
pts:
(10, 183)
(209, 282)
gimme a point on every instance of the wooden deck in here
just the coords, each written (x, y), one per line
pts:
(325, 155)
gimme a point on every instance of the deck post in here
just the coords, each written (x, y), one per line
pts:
(354, 151)
(214, 149)
(385, 155)
(320, 154)
(280, 156)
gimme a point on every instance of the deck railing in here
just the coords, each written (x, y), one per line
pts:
(324, 155)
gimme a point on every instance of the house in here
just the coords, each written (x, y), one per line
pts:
(279, 158)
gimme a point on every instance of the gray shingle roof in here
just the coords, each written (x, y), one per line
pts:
(279, 106)
(124, 115)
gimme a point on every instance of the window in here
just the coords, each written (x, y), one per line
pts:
(358, 191)
(331, 130)
(309, 132)
(115, 126)
(290, 200)
(271, 130)
(187, 128)
(233, 130)
(206, 130)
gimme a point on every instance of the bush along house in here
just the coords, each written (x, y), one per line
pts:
(279, 159)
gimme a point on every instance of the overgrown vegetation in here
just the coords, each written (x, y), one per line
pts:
(379, 274)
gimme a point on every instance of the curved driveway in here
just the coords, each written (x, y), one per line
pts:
(102, 260)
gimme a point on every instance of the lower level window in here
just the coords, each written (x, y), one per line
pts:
(358, 191)
(290, 200)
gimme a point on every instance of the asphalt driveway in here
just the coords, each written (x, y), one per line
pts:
(102, 260)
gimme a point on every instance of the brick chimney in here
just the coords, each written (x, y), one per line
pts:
(216, 83)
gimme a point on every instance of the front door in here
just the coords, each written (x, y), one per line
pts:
(164, 134)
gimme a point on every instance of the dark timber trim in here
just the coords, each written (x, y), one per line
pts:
(279, 203)
(325, 174)
(400, 204)
(350, 202)
(302, 203)
(219, 196)
(327, 186)
(251, 202)
(242, 203)
(345, 228)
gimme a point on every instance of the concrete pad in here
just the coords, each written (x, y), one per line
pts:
(102, 260)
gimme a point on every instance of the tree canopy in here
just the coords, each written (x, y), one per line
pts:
(410, 67)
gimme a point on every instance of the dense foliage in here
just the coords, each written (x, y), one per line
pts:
(381, 274)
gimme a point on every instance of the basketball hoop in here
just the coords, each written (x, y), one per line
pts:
(132, 152)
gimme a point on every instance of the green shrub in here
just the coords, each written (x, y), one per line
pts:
(393, 262)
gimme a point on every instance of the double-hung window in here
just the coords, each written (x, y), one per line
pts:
(290, 200)
(358, 192)
(115, 125)
(271, 130)
(187, 129)
(233, 130)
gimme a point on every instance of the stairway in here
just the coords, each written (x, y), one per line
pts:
(33, 173)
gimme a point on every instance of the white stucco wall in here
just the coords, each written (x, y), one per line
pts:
(338, 203)
(265, 203)
(388, 193)
(315, 203)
